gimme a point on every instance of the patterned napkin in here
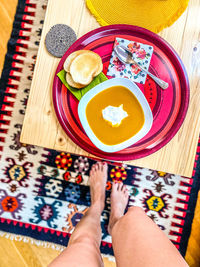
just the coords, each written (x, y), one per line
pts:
(142, 54)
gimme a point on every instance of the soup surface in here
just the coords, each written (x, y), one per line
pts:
(115, 96)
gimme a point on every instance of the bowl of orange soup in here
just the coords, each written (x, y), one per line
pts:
(115, 114)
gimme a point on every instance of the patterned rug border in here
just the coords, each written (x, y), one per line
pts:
(30, 240)
(192, 203)
(11, 72)
(26, 229)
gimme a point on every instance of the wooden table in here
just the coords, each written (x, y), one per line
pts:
(41, 126)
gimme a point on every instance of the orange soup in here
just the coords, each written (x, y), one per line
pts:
(115, 96)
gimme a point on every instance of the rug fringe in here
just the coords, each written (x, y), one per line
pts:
(109, 257)
(39, 243)
(30, 240)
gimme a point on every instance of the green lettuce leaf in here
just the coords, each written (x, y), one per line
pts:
(78, 93)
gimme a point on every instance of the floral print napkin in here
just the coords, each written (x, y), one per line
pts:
(141, 53)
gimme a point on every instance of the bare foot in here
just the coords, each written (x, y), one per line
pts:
(98, 179)
(119, 200)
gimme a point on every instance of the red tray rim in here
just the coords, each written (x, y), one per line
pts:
(167, 48)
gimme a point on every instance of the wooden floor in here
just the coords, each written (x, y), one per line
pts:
(20, 254)
(7, 12)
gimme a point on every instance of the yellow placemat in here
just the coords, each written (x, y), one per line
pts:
(150, 14)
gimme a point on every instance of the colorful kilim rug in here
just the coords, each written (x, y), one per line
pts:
(44, 193)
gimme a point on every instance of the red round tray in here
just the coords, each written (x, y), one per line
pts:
(169, 106)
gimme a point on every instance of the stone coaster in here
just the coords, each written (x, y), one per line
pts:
(59, 38)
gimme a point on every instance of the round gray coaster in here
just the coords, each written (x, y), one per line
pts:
(59, 38)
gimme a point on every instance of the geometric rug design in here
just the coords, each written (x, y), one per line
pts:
(44, 193)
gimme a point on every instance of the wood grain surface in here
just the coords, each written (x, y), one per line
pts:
(178, 155)
(20, 254)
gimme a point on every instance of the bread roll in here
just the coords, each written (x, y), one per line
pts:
(85, 66)
(71, 57)
(72, 83)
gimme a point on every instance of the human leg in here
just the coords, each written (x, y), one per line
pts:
(83, 247)
(137, 240)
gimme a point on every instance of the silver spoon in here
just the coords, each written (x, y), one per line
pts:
(126, 57)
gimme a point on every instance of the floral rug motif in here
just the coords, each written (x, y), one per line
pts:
(44, 193)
